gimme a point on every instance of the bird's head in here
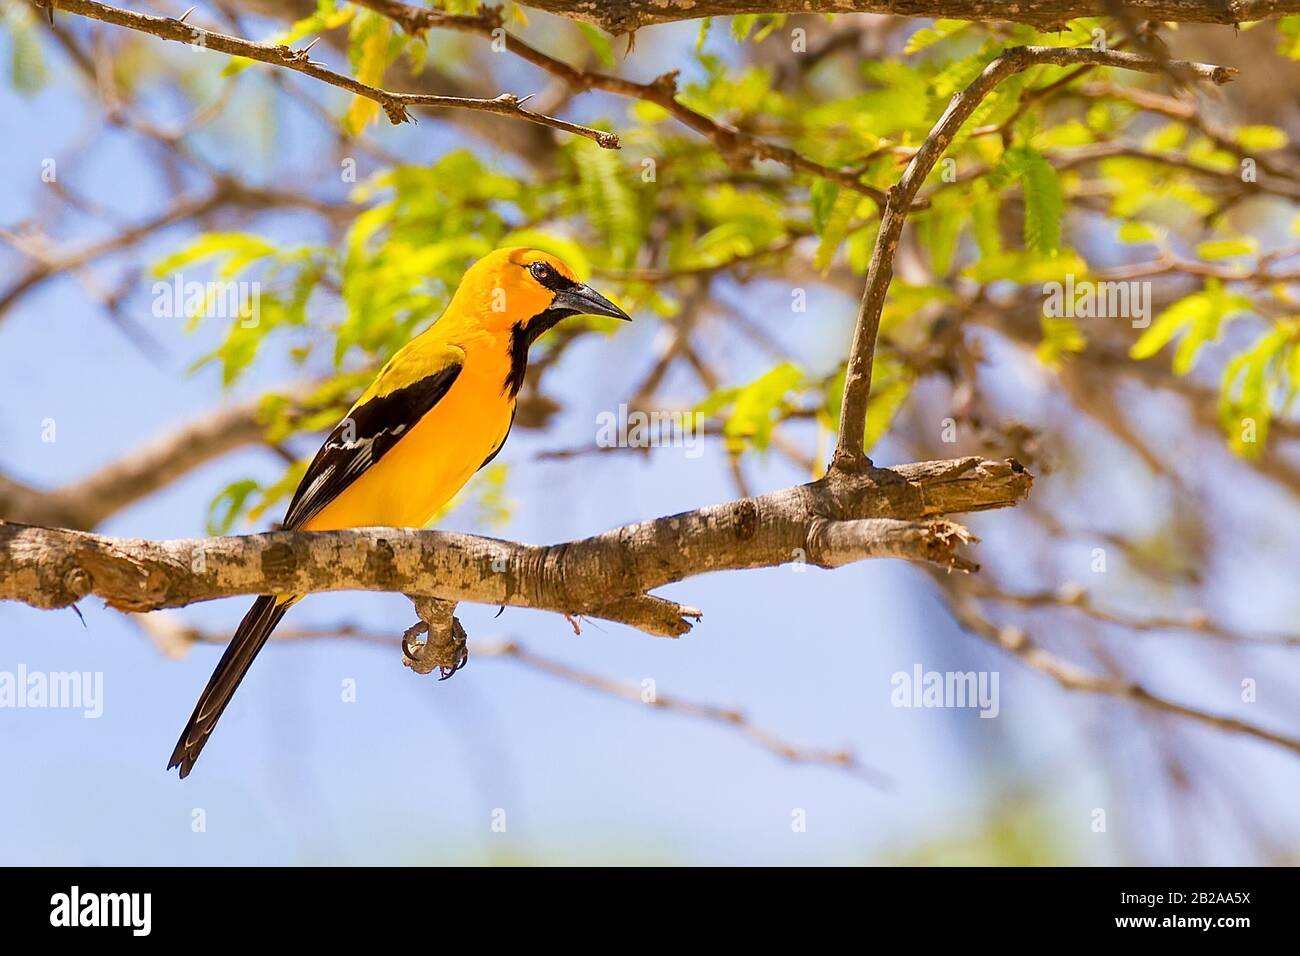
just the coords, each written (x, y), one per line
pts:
(527, 291)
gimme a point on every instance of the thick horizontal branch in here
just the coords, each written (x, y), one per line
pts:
(828, 523)
(624, 16)
(395, 105)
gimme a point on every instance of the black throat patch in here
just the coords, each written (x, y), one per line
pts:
(522, 337)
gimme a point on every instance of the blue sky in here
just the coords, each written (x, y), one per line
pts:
(413, 771)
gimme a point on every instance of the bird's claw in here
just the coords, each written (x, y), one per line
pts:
(417, 654)
(459, 647)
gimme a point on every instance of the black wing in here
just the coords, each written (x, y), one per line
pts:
(362, 438)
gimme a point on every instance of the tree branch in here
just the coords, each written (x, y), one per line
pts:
(174, 639)
(395, 105)
(736, 146)
(1072, 677)
(625, 16)
(849, 453)
(828, 523)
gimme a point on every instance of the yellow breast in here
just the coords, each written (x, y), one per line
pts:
(422, 472)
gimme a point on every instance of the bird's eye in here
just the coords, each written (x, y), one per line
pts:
(540, 270)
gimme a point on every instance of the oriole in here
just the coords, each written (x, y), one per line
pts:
(438, 411)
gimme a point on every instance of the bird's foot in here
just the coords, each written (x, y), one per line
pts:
(445, 647)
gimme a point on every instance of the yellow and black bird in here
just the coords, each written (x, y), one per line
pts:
(437, 412)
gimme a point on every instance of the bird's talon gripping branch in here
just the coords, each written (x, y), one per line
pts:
(445, 648)
(410, 442)
(411, 650)
(461, 648)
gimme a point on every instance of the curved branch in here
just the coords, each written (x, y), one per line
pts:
(625, 16)
(736, 146)
(831, 522)
(396, 105)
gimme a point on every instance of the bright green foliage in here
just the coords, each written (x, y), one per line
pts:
(1044, 206)
(374, 42)
(755, 409)
(1197, 318)
(1288, 29)
(600, 44)
(939, 30)
(229, 504)
(1258, 383)
(26, 60)
(1061, 336)
(329, 15)
(743, 27)
(669, 205)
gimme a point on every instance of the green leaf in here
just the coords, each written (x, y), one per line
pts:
(836, 228)
(928, 36)
(1256, 381)
(1227, 248)
(236, 249)
(938, 230)
(26, 60)
(1199, 317)
(743, 25)
(1061, 336)
(328, 16)
(1260, 138)
(705, 24)
(224, 509)
(756, 407)
(891, 383)
(1139, 233)
(600, 43)
(822, 197)
(1044, 206)
(373, 44)
(985, 207)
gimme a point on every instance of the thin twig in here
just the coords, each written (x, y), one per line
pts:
(174, 639)
(1072, 677)
(736, 146)
(395, 105)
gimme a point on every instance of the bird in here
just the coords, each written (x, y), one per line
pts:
(438, 411)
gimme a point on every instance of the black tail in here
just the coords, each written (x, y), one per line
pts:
(252, 633)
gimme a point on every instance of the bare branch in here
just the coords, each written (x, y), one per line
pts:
(1072, 677)
(736, 146)
(1075, 597)
(395, 105)
(87, 502)
(828, 523)
(849, 453)
(174, 638)
(626, 16)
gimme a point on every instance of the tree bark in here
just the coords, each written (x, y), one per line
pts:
(624, 16)
(828, 523)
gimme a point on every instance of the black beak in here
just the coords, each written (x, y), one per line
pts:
(584, 300)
